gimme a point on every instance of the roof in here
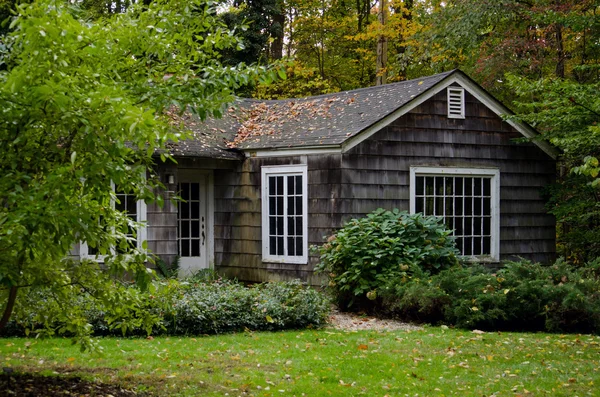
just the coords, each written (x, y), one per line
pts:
(209, 137)
(326, 119)
(322, 121)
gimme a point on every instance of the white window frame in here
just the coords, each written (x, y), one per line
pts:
(284, 170)
(456, 106)
(141, 235)
(494, 175)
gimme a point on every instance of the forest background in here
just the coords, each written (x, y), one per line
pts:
(539, 57)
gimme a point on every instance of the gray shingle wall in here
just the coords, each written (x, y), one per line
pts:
(376, 172)
(238, 245)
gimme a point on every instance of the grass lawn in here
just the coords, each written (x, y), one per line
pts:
(432, 362)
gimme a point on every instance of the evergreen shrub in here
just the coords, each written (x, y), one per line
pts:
(521, 296)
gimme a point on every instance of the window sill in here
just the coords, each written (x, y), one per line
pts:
(302, 261)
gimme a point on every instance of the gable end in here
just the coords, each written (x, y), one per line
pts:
(457, 80)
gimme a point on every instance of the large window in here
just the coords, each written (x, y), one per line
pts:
(468, 201)
(284, 207)
(135, 210)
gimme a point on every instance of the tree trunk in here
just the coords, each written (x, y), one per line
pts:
(277, 34)
(382, 44)
(12, 297)
(560, 53)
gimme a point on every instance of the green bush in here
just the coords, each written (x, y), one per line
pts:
(366, 252)
(191, 308)
(522, 296)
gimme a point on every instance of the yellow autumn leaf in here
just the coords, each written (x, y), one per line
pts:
(269, 319)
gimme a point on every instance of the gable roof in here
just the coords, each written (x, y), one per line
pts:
(331, 122)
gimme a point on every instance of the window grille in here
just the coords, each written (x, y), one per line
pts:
(467, 202)
(284, 214)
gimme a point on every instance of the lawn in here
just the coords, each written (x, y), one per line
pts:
(431, 362)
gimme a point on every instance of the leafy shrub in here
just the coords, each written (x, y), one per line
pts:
(190, 308)
(367, 252)
(520, 296)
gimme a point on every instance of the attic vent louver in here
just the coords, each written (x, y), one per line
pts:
(456, 103)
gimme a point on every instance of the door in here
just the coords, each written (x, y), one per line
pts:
(192, 222)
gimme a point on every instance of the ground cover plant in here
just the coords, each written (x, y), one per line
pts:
(170, 307)
(432, 362)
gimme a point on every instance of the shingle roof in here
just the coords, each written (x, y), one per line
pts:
(209, 138)
(327, 119)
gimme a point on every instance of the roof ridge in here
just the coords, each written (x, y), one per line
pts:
(333, 94)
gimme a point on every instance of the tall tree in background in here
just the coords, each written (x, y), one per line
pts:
(535, 39)
(263, 36)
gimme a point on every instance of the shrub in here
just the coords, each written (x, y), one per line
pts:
(192, 308)
(522, 296)
(367, 252)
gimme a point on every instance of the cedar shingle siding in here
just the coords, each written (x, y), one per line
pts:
(375, 174)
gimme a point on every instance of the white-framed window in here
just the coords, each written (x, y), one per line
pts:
(468, 199)
(456, 102)
(284, 213)
(135, 209)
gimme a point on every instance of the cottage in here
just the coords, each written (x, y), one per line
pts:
(271, 178)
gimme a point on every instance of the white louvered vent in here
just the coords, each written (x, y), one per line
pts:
(456, 103)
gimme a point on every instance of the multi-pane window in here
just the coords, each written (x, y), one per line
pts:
(136, 211)
(128, 204)
(284, 205)
(467, 200)
(191, 230)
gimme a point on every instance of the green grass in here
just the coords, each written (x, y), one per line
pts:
(432, 362)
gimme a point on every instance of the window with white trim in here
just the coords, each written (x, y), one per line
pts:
(456, 102)
(468, 199)
(135, 210)
(284, 213)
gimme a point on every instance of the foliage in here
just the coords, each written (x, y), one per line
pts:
(85, 104)
(262, 21)
(300, 82)
(533, 39)
(328, 362)
(568, 115)
(367, 252)
(520, 296)
(178, 308)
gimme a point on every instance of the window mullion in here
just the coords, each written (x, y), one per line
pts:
(444, 200)
(454, 206)
(482, 217)
(285, 215)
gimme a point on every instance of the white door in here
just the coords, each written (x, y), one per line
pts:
(192, 222)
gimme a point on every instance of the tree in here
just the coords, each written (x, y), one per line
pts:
(86, 104)
(568, 115)
(263, 36)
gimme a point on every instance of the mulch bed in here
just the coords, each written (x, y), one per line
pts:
(35, 385)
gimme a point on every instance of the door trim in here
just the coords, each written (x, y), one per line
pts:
(182, 175)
